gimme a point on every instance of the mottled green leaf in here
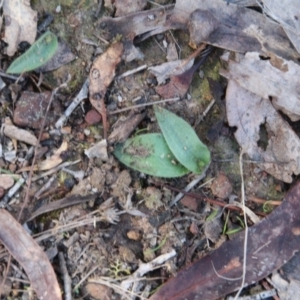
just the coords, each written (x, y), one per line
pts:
(38, 54)
(149, 154)
(183, 141)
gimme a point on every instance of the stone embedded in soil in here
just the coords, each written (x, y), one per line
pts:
(194, 228)
(6, 181)
(98, 291)
(92, 117)
(31, 108)
(190, 202)
(221, 186)
(134, 235)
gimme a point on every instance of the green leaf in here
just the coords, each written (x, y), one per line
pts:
(183, 141)
(149, 154)
(38, 54)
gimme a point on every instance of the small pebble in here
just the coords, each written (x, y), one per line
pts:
(92, 117)
(87, 132)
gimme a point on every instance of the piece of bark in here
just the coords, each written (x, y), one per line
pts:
(271, 243)
(30, 256)
(19, 134)
(125, 127)
(179, 84)
(101, 75)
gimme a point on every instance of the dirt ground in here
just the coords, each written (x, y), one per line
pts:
(125, 219)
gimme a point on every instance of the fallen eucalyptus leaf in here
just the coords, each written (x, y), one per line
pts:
(183, 141)
(149, 154)
(37, 55)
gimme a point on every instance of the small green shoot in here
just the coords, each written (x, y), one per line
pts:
(212, 215)
(267, 207)
(226, 223)
(235, 230)
(232, 231)
(37, 55)
(158, 247)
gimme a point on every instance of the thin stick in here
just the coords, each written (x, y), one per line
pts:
(203, 115)
(84, 278)
(131, 72)
(81, 96)
(2, 74)
(142, 105)
(215, 202)
(188, 188)
(263, 201)
(246, 226)
(66, 277)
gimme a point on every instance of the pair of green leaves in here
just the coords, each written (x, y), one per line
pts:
(174, 153)
(37, 55)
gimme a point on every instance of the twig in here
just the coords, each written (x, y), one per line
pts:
(142, 105)
(246, 226)
(101, 39)
(188, 188)
(99, 8)
(212, 201)
(203, 115)
(12, 191)
(66, 277)
(85, 277)
(263, 201)
(147, 267)
(131, 72)
(2, 74)
(54, 170)
(81, 96)
(45, 187)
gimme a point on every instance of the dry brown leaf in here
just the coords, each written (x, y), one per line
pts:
(248, 112)
(19, 134)
(55, 159)
(276, 78)
(30, 256)
(20, 24)
(125, 7)
(165, 70)
(98, 150)
(101, 75)
(239, 28)
(286, 13)
(124, 127)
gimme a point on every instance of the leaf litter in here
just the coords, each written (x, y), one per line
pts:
(127, 216)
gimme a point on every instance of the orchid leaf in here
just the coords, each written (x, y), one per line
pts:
(150, 154)
(183, 141)
(37, 55)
